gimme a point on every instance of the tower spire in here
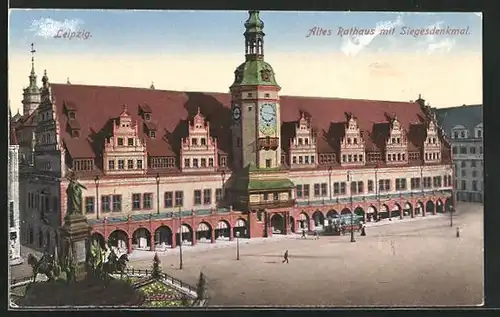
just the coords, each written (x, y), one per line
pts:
(254, 36)
(32, 73)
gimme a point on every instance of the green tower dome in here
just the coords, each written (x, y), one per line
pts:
(254, 71)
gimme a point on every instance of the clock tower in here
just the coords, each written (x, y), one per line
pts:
(256, 125)
(259, 184)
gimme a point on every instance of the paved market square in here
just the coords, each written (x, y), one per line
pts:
(415, 262)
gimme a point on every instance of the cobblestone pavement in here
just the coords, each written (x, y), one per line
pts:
(406, 263)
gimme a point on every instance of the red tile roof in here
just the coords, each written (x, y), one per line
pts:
(170, 111)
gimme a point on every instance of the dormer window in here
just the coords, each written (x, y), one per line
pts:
(130, 142)
(306, 141)
(300, 141)
(120, 141)
(75, 133)
(194, 141)
(203, 141)
(147, 117)
(71, 115)
(152, 134)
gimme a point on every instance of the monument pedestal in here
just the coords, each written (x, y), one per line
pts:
(75, 235)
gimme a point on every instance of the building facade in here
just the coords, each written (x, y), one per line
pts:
(463, 126)
(161, 167)
(13, 196)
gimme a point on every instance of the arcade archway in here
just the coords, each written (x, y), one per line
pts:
(419, 209)
(358, 211)
(448, 204)
(241, 227)
(345, 211)
(304, 221)
(319, 219)
(277, 224)
(119, 240)
(439, 206)
(371, 213)
(97, 237)
(407, 211)
(331, 214)
(397, 211)
(223, 230)
(163, 237)
(204, 232)
(141, 239)
(429, 207)
(384, 212)
(186, 233)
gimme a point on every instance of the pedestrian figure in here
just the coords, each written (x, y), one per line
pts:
(458, 232)
(316, 237)
(304, 233)
(363, 232)
(285, 257)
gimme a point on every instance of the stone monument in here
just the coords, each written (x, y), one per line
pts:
(75, 232)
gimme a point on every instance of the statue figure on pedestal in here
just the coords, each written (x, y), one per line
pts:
(74, 194)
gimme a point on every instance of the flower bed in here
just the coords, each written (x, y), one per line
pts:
(157, 294)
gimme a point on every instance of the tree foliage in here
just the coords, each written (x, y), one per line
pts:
(156, 272)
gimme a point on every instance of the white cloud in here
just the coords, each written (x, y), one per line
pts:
(47, 27)
(445, 45)
(354, 44)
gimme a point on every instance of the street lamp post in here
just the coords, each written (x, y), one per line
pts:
(352, 211)
(330, 181)
(452, 209)
(223, 178)
(158, 193)
(96, 180)
(237, 245)
(180, 238)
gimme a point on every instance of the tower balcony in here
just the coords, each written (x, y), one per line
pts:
(268, 143)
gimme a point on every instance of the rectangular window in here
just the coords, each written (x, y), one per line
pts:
(89, 205)
(354, 188)
(370, 186)
(472, 163)
(324, 190)
(294, 160)
(168, 200)
(298, 191)
(117, 203)
(130, 142)
(223, 161)
(306, 159)
(400, 183)
(136, 201)
(312, 159)
(195, 162)
(197, 197)
(360, 188)
(427, 182)
(147, 201)
(268, 163)
(218, 195)
(384, 185)
(415, 183)
(317, 190)
(186, 162)
(207, 196)
(120, 141)
(266, 196)
(139, 164)
(211, 162)
(437, 181)
(306, 190)
(276, 196)
(105, 204)
(12, 223)
(474, 185)
(111, 164)
(203, 162)
(179, 198)
(130, 164)
(121, 164)
(342, 188)
(464, 185)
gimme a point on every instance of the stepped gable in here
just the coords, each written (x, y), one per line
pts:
(171, 110)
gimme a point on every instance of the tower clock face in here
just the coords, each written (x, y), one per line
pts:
(267, 118)
(236, 113)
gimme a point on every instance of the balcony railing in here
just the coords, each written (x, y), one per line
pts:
(268, 143)
(271, 204)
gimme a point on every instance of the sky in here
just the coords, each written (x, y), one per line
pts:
(312, 53)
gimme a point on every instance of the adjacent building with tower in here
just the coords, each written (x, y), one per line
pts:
(161, 167)
(463, 126)
(13, 196)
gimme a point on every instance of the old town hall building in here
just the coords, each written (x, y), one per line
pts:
(158, 164)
